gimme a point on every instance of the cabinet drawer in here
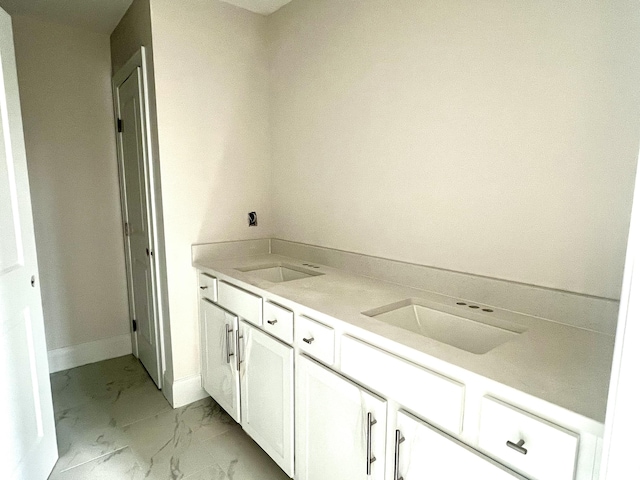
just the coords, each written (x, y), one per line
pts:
(278, 321)
(242, 303)
(435, 398)
(548, 452)
(315, 338)
(208, 286)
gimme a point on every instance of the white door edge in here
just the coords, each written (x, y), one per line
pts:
(623, 415)
(139, 60)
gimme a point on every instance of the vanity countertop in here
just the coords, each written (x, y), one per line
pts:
(560, 364)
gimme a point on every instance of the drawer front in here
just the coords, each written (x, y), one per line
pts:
(208, 287)
(278, 322)
(537, 448)
(316, 339)
(242, 303)
(436, 398)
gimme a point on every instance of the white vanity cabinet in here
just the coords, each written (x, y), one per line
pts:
(248, 372)
(219, 333)
(266, 385)
(368, 409)
(422, 452)
(340, 426)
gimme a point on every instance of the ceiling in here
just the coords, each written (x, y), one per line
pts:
(263, 7)
(103, 15)
(95, 15)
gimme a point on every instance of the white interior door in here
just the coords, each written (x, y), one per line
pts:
(220, 376)
(26, 411)
(340, 427)
(266, 383)
(137, 226)
(424, 452)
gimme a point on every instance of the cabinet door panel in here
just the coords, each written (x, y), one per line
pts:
(266, 378)
(429, 453)
(219, 367)
(332, 426)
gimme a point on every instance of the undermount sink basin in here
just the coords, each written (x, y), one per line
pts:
(277, 273)
(473, 335)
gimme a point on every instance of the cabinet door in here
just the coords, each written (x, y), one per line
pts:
(266, 378)
(422, 452)
(220, 377)
(340, 427)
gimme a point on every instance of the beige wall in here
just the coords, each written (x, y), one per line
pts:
(490, 137)
(65, 91)
(212, 99)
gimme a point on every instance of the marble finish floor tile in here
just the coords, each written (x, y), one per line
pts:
(172, 442)
(237, 457)
(100, 380)
(118, 465)
(112, 423)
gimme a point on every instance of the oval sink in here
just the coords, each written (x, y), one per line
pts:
(473, 335)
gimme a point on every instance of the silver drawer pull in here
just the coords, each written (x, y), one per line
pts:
(308, 340)
(518, 447)
(272, 322)
(203, 288)
(396, 460)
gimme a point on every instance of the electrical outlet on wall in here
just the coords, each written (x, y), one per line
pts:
(253, 219)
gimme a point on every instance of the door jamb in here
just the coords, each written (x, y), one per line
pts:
(139, 60)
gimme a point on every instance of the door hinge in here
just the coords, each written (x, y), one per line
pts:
(127, 232)
(135, 326)
(119, 125)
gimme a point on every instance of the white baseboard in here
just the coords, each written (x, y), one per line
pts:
(90, 352)
(184, 391)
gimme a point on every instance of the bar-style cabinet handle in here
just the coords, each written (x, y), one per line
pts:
(229, 354)
(518, 447)
(370, 458)
(396, 464)
(238, 350)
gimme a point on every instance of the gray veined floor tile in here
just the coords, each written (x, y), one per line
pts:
(93, 428)
(136, 404)
(171, 443)
(212, 472)
(118, 465)
(112, 423)
(86, 432)
(107, 379)
(237, 457)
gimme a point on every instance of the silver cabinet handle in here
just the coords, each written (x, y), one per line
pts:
(203, 287)
(272, 322)
(370, 458)
(308, 340)
(239, 356)
(229, 354)
(518, 447)
(396, 464)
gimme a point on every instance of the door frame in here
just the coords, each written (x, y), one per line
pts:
(154, 216)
